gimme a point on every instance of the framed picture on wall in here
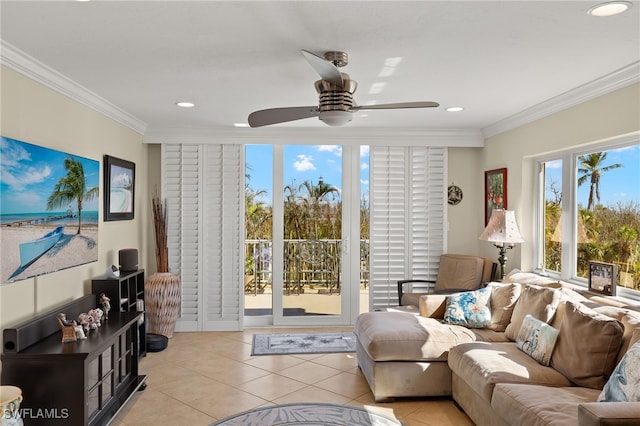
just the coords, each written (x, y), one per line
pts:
(119, 189)
(495, 191)
(49, 210)
(602, 278)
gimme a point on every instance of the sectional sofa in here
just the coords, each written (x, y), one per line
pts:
(526, 351)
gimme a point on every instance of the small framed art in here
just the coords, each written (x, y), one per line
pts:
(495, 191)
(119, 189)
(602, 278)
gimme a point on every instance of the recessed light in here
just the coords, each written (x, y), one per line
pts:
(240, 124)
(454, 109)
(610, 8)
(183, 104)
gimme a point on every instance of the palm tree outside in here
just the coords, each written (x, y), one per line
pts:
(72, 188)
(591, 168)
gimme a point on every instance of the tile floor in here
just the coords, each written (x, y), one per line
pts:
(204, 377)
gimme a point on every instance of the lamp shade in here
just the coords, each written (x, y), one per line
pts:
(502, 228)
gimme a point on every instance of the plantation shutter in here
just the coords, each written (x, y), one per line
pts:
(180, 186)
(224, 201)
(407, 223)
(204, 221)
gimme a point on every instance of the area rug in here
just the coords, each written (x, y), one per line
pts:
(303, 343)
(308, 414)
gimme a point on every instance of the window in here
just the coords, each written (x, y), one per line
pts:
(552, 202)
(590, 211)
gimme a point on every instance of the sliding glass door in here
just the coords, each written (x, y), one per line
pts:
(303, 239)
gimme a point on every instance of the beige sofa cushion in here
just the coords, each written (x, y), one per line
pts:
(432, 305)
(635, 337)
(630, 321)
(587, 346)
(609, 414)
(481, 365)
(517, 276)
(503, 300)
(465, 272)
(520, 404)
(398, 336)
(487, 335)
(539, 302)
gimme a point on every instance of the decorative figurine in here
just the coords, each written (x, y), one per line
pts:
(79, 332)
(105, 305)
(85, 321)
(68, 329)
(96, 314)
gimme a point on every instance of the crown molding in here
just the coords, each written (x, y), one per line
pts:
(318, 136)
(30, 67)
(601, 86)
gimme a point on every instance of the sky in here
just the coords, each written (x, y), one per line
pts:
(621, 185)
(29, 173)
(302, 162)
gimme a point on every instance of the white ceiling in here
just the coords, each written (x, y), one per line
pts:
(495, 59)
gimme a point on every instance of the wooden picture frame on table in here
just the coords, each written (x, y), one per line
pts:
(495, 191)
(119, 189)
(603, 278)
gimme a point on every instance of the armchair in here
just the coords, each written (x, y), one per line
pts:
(457, 272)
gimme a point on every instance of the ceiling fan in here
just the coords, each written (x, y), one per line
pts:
(336, 90)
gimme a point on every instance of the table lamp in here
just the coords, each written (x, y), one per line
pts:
(502, 230)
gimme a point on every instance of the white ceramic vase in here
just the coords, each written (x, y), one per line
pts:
(10, 399)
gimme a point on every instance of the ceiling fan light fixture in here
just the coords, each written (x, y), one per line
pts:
(454, 109)
(609, 8)
(336, 118)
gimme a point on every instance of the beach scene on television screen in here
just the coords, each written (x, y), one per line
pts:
(49, 203)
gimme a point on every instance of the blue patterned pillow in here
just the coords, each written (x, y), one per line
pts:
(624, 383)
(470, 308)
(537, 339)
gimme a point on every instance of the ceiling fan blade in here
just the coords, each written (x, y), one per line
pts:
(266, 117)
(326, 69)
(396, 106)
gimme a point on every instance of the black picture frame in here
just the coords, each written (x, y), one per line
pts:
(603, 278)
(119, 189)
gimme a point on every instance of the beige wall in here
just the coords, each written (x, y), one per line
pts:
(464, 171)
(35, 114)
(614, 114)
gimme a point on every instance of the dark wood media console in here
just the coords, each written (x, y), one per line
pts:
(81, 383)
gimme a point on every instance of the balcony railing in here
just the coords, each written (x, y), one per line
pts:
(309, 266)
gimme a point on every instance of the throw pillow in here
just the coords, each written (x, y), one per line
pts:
(539, 302)
(503, 300)
(587, 348)
(469, 309)
(537, 339)
(624, 383)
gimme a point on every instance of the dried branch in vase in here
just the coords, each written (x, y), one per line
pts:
(160, 227)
